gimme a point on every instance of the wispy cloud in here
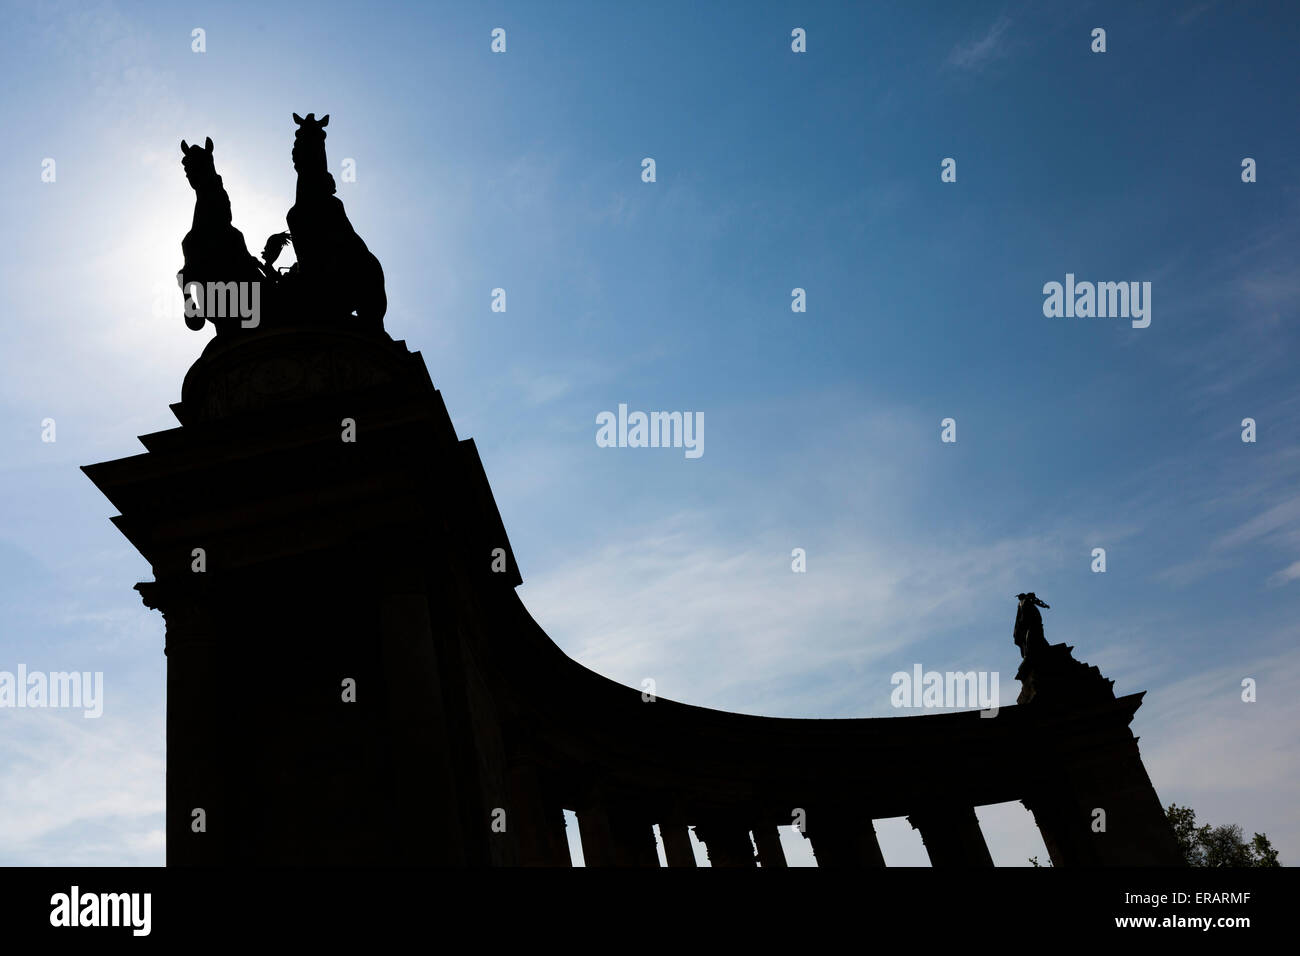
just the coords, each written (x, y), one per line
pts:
(1288, 574)
(977, 53)
(1282, 520)
(82, 792)
(1195, 12)
(727, 623)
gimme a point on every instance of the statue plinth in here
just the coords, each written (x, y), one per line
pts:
(251, 371)
(1051, 677)
(319, 538)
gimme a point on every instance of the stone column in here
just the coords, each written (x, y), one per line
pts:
(195, 750)
(1053, 810)
(728, 844)
(541, 831)
(420, 741)
(616, 835)
(677, 844)
(768, 840)
(634, 839)
(1100, 809)
(843, 837)
(597, 841)
(952, 836)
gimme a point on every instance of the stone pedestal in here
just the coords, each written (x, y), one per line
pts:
(1088, 791)
(1092, 798)
(321, 542)
(1051, 677)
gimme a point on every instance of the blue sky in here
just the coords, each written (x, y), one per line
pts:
(775, 170)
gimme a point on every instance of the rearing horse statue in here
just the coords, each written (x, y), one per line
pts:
(214, 249)
(335, 269)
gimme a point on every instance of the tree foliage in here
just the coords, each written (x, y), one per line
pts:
(1218, 846)
(1213, 846)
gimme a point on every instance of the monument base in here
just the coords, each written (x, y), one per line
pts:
(1050, 676)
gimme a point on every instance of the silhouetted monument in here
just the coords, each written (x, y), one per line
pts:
(353, 679)
(1048, 672)
(1028, 633)
(336, 280)
(336, 270)
(214, 249)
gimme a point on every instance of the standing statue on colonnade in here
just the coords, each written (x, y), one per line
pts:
(1028, 632)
